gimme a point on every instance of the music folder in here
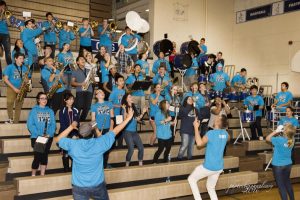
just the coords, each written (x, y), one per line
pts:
(141, 85)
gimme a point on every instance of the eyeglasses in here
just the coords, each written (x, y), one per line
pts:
(43, 98)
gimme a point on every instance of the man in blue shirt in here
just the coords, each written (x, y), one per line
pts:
(4, 35)
(238, 82)
(219, 80)
(86, 33)
(283, 98)
(128, 40)
(161, 61)
(163, 79)
(105, 36)
(88, 179)
(255, 103)
(203, 48)
(50, 34)
(65, 36)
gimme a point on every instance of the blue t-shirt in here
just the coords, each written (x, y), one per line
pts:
(219, 79)
(193, 69)
(251, 101)
(65, 57)
(126, 41)
(132, 125)
(282, 153)
(238, 79)
(105, 37)
(86, 39)
(50, 34)
(217, 140)
(156, 65)
(144, 65)
(15, 74)
(286, 120)
(116, 97)
(165, 82)
(46, 73)
(102, 111)
(283, 98)
(65, 37)
(28, 36)
(104, 72)
(154, 107)
(197, 98)
(131, 79)
(3, 27)
(163, 131)
(87, 155)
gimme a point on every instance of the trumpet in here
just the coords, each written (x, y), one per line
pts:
(7, 14)
(75, 28)
(113, 27)
(94, 24)
(58, 23)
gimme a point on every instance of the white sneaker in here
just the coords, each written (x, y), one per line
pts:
(261, 138)
(9, 121)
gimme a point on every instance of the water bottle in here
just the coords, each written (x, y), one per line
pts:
(169, 161)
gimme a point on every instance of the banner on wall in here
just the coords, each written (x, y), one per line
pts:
(277, 8)
(95, 46)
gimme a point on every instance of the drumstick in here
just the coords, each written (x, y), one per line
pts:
(174, 130)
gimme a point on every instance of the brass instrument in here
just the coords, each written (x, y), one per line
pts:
(25, 87)
(113, 27)
(75, 28)
(55, 86)
(90, 78)
(7, 14)
(94, 24)
(58, 23)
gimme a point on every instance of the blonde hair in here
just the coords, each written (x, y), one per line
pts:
(289, 132)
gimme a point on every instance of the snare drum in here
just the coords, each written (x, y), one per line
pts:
(219, 94)
(243, 95)
(272, 116)
(248, 116)
(211, 94)
(202, 79)
(233, 97)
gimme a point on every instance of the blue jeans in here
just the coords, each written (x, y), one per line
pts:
(5, 42)
(85, 193)
(131, 139)
(282, 177)
(187, 144)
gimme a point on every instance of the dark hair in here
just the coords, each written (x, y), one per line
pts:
(118, 76)
(30, 20)
(162, 107)
(286, 84)
(220, 52)
(17, 49)
(224, 122)
(127, 27)
(47, 46)
(124, 102)
(253, 87)
(2, 3)
(203, 39)
(185, 104)
(18, 54)
(289, 107)
(67, 96)
(79, 56)
(140, 56)
(211, 56)
(49, 13)
(38, 96)
(243, 70)
(85, 19)
(136, 66)
(214, 102)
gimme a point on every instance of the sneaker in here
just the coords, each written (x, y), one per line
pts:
(9, 121)
(261, 138)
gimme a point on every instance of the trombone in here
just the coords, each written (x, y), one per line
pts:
(112, 27)
(75, 28)
(94, 24)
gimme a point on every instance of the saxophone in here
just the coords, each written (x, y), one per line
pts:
(55, 86)
(25, 87)
(90, 78)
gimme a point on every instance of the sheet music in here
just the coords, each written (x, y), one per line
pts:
(42, 140)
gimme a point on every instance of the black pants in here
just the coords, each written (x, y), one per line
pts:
(66, 161)
(256, 125)
(106, 154)
(40, 158)
(83, 103)
(52, 48)
(163, 144)
(56, 102)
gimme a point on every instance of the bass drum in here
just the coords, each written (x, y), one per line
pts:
(182, 61)
(202, 60)
(165, 46)
(191, 47)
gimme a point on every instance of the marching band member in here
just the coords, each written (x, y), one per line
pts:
(28, 36)
(47, 53)
(41, 122)
(65, 36)
(105, 36)
(66, 58)
(109, 82)
(50, 34)
(115, 98)
(100, 55)
(219, 80)
(88, 179)
(90, 62)
(219, 58)
(124, 60)
(138, 95)
(163, 121)
(174, 99)
(104, 67)
(289, 118)
(215, 141)
(103, 113)
(86, 33)
(251, 102)
(154, 100)
(218, 108)
(19, 48)
(204, 111)
(238, 82)
(162, 78)
(187, 114)
(283, 98)
(53, 78)
(172, 58)
(161, 61)
(142, 61)
(127, 39)
(83, 97)
(198, 99)
(67, 115)
(4, 33)
(282, 162)
(207, 67)
(202, 47)
(13, 76)
(191, 72)
(130, 133)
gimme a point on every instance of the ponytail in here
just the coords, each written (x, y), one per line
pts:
(289, 132)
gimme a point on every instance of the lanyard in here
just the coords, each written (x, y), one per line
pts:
(20, 73)
(83, 71)
(70, 115)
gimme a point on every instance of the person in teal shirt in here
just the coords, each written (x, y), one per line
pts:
(191, 72)
(86, 33)
(215, 141)
(144, 64)
(127, 41)
(163, 78)
(283, 98)
(289, 118)
(281, 161)
(219, 80)
(88, 179)
(50, 34)
(198, 99)
(65, 36)
(161, 61)
(105, 36)
(238, 82)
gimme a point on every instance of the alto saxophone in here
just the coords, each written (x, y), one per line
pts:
(90, 78)
(57, 85)
(25, 87)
